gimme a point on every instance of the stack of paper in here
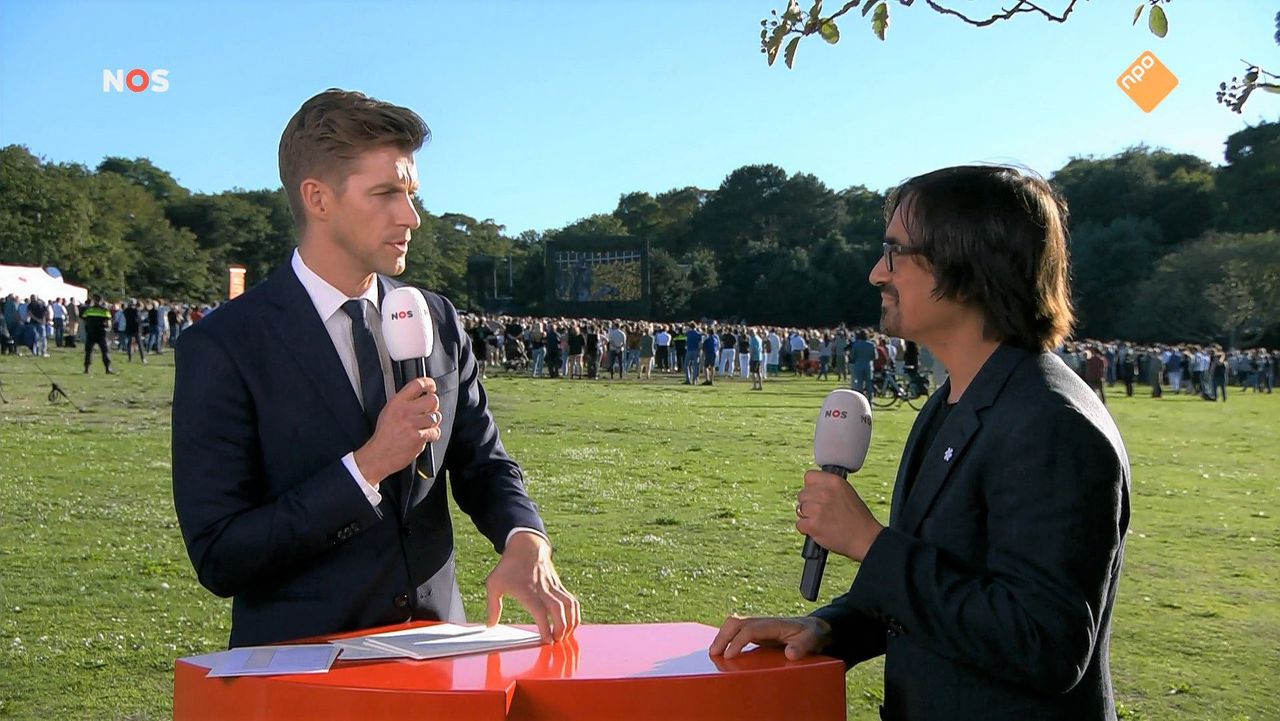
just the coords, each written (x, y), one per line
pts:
(268, 660)
(438, 641)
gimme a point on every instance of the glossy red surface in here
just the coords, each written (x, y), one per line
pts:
(641, 671)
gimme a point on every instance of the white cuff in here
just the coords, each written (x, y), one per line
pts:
(522, 529)
(370, 492)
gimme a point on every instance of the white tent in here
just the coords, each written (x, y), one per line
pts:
(25, 280)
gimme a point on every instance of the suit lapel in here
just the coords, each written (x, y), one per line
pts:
(302, 334)
(953, 438)
(938, 461)
(909, 452)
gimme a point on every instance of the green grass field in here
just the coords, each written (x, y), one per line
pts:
(666, 503)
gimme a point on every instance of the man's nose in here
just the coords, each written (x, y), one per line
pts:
(879, 273)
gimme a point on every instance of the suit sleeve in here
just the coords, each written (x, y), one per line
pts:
(487, 484)
(854, 637)
(236, 534)
(1056, 512)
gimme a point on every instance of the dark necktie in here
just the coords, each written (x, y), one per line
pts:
(373, 394)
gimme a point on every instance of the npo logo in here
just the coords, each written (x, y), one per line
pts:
(1147, 81)
(136, 80)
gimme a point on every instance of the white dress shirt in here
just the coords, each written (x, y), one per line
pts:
(328, 303)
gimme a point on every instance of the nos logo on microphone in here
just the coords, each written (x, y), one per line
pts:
(401, 314)
(837, 413)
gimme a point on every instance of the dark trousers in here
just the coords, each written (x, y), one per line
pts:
(132, 339)
(101, 342)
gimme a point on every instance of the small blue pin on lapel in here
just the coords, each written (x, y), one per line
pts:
(947, 456)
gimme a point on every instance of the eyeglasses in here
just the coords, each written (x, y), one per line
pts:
(892, 249)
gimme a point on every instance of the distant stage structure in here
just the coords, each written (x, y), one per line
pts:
(598, 277)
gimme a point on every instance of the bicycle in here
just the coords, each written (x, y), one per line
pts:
(888, 389)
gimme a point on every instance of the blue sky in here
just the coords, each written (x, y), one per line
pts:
(545, 112)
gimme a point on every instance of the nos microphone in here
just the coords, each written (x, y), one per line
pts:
(407, 331)
(840, 442)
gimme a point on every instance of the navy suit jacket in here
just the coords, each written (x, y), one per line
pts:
(263, 413)
(991, 591)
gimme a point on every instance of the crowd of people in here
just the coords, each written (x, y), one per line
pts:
(32, 324)
(700, 352)
(703, 351)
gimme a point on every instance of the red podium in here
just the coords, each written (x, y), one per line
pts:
(623, 672)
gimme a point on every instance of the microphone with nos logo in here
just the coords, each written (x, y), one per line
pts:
(407, 331)
(840, 443)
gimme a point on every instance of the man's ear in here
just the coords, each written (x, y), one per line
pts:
(317, 199)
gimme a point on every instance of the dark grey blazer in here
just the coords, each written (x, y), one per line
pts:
(991, 591)
(263, 413)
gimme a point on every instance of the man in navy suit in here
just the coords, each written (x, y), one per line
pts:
(990, 593)
(291, 448)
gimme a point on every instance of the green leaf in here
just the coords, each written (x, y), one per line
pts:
(830, 32)
(880, 21)
(1157, 21)
(867, 8)
(1269, 87)
(1251, 77)
(771, 52)
(793, 11)
(1138, 13)
(789, 57)
(816, 10)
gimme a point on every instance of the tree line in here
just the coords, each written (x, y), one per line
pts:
(1165, 246)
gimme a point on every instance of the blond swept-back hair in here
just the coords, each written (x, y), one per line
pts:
(334, 128)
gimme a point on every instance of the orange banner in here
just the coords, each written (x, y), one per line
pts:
(236, 284)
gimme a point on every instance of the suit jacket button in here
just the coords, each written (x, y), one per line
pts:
(401, 601)
(406, 531)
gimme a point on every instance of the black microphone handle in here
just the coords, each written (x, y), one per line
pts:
(815, 556)
(408, 370)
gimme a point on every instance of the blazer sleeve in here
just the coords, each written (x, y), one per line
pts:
(1055, 515)
(854, 636)
(487, 484)
(236, 534)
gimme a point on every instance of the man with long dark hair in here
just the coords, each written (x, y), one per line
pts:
(990, 593)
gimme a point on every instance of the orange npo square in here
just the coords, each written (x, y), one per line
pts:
(1147, 81)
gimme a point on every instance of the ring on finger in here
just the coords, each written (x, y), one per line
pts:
(800, 510)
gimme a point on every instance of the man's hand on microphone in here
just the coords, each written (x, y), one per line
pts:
(832, 513)
(527, 574)
(801, 636)
(409, 421)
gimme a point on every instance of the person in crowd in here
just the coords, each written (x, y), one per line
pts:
(648, 348)
(662, 349)
(133, 318)
(37, 318)
(692, 356)
(97, 321)
(710, 353)
(755, 359)
(1095, 372)
(58, 314)
(862, 358)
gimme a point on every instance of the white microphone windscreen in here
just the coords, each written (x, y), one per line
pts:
(406, 324)
(843, 432)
